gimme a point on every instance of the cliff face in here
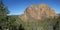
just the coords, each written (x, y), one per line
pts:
(38, 12)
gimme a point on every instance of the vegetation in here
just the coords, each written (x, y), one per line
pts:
(6, 21)
(46, 24)
(12, 22)
(3, 15)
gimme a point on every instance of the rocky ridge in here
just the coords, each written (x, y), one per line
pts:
(41, 11)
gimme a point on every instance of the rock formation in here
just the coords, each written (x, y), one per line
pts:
(38, 12)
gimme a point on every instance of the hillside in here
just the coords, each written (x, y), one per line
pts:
(41, 11)
(40, 17)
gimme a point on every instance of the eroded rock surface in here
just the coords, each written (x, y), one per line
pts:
(38, 12)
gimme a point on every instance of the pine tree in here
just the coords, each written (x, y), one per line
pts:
(3, 14)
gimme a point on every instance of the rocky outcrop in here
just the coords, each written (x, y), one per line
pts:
(38, 12)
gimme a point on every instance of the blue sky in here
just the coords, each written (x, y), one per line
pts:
(17, 7)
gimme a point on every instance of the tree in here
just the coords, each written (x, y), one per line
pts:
(13, 22)
(7, 21)
(3, 14)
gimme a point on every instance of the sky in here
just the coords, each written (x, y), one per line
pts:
(17, 7)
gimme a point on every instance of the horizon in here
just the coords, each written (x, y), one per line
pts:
(17, 7)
